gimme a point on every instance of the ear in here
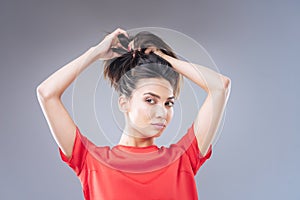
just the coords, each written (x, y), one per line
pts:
(123, 103)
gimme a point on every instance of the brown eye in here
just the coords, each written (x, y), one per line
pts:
(170, 103)
(151, 101)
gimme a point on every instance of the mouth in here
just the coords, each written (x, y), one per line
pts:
(158, 125)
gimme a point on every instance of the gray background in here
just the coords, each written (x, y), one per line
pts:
(255, 43)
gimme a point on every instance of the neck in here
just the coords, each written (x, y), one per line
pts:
(131, 140)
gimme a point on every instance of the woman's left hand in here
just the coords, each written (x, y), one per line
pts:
(154, 50)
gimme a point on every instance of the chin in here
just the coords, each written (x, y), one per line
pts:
(157, 134)
(152, 134)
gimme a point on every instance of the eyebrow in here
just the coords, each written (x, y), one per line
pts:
(155, 95)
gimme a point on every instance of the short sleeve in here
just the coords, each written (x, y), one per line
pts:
(78, 157)
(190, 144)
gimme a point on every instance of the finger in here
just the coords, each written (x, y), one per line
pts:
(124, 32)
(130, 46)
(121, 48)
(120, 31)
(150, 49)
(119, 45)
(119, 36)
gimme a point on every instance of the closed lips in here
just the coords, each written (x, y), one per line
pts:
(159, 124)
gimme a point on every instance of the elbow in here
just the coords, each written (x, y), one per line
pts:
(43, 93)
(223, 86)
(226, 83)
(222, 91)
(226, 86)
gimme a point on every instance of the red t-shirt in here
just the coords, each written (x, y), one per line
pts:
(124, 172)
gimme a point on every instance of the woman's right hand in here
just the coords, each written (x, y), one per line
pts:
(49, 91)
(103, 50)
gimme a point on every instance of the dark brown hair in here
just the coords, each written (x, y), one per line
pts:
(125, 71)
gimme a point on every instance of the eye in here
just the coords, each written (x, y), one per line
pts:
(170, 103)
(149, 100)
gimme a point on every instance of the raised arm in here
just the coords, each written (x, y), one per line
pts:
(217, 87)
(49, 92)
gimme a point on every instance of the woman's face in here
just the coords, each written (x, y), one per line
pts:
(150, 108)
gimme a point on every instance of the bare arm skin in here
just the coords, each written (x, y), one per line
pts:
(49, 92)
(217, 87)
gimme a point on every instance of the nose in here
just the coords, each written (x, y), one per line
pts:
(160, 112)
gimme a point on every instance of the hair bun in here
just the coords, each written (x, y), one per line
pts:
(115, 68)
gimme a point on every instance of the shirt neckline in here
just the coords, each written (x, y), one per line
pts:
(147, 149)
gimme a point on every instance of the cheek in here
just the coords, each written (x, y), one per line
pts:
(170, 114)
(140, 114)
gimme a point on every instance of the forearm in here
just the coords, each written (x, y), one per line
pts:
(57, 83)
(204, 77)
(210, 114)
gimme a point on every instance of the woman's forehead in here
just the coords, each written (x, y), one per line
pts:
(155, 85)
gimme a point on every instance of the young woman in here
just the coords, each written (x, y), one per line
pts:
(147, 75)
